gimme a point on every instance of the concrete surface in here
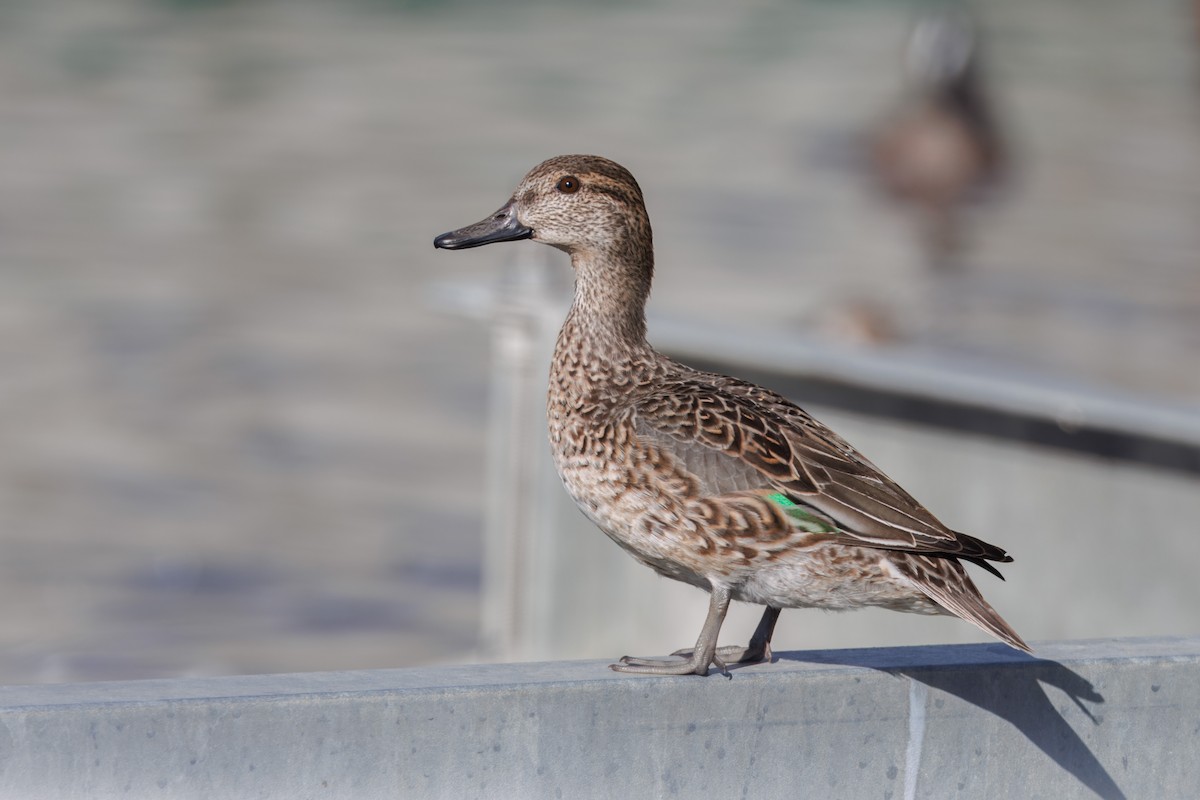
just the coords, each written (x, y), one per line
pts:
(1110, 719)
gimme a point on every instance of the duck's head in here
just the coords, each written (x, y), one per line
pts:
(943, 49)
(580, 204)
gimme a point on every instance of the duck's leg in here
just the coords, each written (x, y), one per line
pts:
(759, 649)
(702, 655)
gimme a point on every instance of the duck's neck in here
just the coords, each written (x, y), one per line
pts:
(605, 330)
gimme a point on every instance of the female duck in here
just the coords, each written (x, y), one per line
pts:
(704, 478)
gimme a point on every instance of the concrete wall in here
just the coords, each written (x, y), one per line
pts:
(1110, 719)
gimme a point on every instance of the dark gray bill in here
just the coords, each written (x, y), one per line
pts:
(499, 227)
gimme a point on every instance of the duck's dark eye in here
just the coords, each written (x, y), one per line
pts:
(568, 184)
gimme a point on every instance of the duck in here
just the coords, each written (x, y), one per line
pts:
(941, 148)
(705, 478)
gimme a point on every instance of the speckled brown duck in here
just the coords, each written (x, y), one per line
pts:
(705, 478)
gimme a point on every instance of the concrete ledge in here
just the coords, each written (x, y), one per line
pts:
(1114, 718)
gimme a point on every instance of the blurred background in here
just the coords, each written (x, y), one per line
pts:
(244, 425)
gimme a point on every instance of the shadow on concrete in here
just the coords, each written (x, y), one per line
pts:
(1014, 691)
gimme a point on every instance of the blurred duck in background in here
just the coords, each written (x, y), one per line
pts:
(941, 149)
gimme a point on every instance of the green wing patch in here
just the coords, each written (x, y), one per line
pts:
(801, 517)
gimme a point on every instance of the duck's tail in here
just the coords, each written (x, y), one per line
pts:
(946, 582)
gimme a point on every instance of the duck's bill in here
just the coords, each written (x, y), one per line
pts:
(499, 227)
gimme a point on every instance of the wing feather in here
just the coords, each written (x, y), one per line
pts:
(735, 436)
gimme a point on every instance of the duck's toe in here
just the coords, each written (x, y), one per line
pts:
(693, 665)
(735, 653)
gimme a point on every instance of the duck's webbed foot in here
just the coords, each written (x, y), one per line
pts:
(732, 654)
(698, 659)
(668, 666)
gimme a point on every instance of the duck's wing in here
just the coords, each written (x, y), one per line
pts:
(736, 437)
